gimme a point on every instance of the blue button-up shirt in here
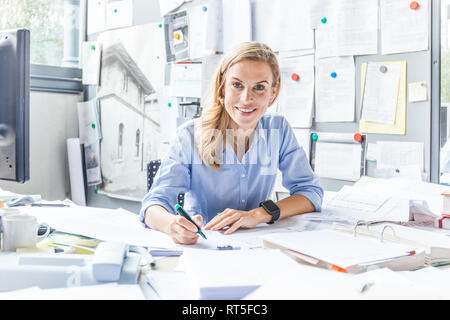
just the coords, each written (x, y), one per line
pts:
(240, 185)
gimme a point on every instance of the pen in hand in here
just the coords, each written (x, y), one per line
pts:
(179, 209)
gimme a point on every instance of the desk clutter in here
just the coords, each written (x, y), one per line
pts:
(367, 243)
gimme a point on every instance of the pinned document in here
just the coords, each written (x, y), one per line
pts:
(91, 57)
(379, 103)
(404, 28)
(335, 90)
(417, 91)
(297, 92)
(399, 125)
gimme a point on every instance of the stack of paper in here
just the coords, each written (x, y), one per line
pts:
(232, 274)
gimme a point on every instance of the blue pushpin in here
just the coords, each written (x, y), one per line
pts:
(323, 20)
(204, 8)
(333, 74)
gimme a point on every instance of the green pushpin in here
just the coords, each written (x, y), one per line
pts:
(93, 47)
(314, 136)
(93, 126)
(96, 191)
(160, 25)
(115, 10)
(169, 104)
(323, 20)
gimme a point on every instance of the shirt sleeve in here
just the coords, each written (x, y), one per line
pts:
(173, 176)
(297, 175)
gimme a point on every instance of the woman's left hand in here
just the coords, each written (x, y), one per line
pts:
(236, 219)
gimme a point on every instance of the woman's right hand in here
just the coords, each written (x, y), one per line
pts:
(183, 231)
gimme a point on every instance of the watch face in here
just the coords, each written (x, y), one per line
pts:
(270, 206)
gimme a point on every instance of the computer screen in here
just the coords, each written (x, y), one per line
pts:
(14, 104)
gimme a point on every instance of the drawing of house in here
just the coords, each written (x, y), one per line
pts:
(129, 124)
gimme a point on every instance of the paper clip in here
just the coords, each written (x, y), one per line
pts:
(382, 232)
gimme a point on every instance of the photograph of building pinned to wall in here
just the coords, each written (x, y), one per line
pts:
(129, 121)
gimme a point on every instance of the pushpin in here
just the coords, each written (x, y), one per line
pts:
(414, 5)
(93, 126)
(160, 25)
(333, 74)
(357, 137)
(92, 47)
(115, 10)
(176, 36)
(383, 69)
(96, 191)
(204, 8)
(295, 77)
(323, 20)
(169, 104)
(314, 136)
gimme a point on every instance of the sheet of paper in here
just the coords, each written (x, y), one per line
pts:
(236, 23)
(335, 90)
(186, 80)
(104, 224)
(346, 28)
(417, 91)
(403, 29)
(353, 204)
(288, 17)
(241, 271)
(110, 291)
(168, 110)
(197, 30)
(399, 125)
(91, 57)
(393, 154)
(214, 25)
(297, 90)
(338, 160)
(96, 17)
(372, 151)
(119, 14)
(381, 92)
(173, 285)
(88, 122)
(75, 161)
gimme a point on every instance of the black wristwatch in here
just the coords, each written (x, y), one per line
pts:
(272, 209)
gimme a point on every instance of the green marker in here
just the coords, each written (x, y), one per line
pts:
(179, 209)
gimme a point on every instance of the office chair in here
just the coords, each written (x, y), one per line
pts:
(152, 168)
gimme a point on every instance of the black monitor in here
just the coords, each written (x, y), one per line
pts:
(15, 105)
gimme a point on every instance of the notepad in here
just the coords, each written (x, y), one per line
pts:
(232, 274)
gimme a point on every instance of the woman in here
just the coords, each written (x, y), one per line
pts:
(226, 162)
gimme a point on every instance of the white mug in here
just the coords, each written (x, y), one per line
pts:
(21, 231)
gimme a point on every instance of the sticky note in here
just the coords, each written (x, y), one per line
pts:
(417, 91)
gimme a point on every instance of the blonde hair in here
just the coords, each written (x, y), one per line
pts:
(212, 129)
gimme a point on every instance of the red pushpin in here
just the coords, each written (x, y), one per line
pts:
(295, 77)
(357, 137)
(414, 5)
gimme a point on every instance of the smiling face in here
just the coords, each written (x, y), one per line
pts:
(248, 91)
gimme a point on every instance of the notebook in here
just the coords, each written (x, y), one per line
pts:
(342, 251)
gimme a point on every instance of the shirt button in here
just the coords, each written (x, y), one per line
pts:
(243, 175)
(243, 200)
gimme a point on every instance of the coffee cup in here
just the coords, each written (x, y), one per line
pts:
(21, 231)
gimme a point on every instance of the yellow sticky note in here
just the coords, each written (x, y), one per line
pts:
(399, 126)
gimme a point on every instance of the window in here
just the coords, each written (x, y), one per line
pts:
(54, 36)
(125, 82)
(138, 142)
(120, 144)
(48, 21)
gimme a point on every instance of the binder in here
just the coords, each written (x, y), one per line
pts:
(344, 248)
(435, 245)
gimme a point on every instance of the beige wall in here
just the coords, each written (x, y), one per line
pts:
(53, 119)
